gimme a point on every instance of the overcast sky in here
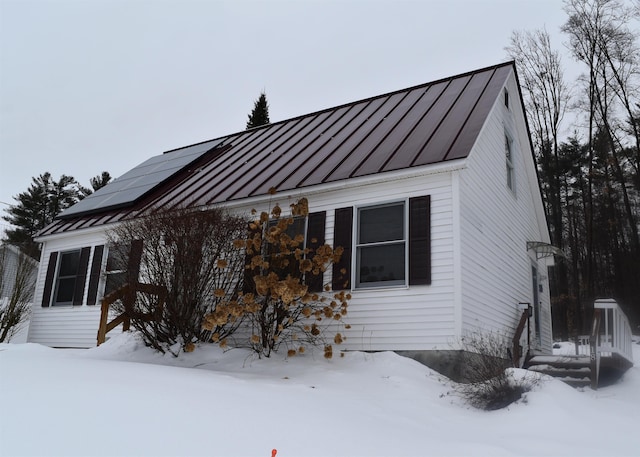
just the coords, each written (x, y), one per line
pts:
(92, 86)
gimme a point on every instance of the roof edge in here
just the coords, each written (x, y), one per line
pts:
(364, 100)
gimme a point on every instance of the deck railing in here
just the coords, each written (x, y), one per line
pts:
(616, 330)
(610, 336)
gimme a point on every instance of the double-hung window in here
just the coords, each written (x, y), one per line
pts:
(70, 280)
(312, 228)
(385, 245)
(381, 245)
(68, 268)
(508, 152)
(286, 263)
(116, 268)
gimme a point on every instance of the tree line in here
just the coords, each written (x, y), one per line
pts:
(46, 197)
(38, 206)
(590, 180)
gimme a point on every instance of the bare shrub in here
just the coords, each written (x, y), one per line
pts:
(191, 254)
(490, 383)
(279, 304)
(18, 284)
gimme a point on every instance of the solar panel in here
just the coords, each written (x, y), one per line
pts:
(136, 183)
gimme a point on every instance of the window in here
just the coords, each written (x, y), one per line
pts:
(312, 228)
(123, 265)
(508, 151)
(506, 98)
(116, 269)
(392, 245)
(68, 268)
(381, 246)
(284, 264)
(67, 274)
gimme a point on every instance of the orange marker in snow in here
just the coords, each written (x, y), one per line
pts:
(274, 452)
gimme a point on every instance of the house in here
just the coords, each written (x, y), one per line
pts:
(432, 190)
(16, 266)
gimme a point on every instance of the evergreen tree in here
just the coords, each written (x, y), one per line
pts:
(260, 114)
(38, 206)
(97, 182)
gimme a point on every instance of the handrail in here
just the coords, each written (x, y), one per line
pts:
(127, 293)
(594, 353)
(610, 337)
(617, 330)
(516, 351)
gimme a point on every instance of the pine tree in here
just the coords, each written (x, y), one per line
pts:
(260, 114)
(38, 206)
(97, 182)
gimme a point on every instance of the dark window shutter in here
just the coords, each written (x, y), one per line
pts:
(94, 278)
(135, 257)
(420, 240)
(342, 235)
(81, 277)
(315, 239)
(48, 283)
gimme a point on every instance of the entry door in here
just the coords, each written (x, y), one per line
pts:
(536, 303)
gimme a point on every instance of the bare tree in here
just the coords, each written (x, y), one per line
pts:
(602, 37)
(546, 96)
(17, 281)
(191, 254)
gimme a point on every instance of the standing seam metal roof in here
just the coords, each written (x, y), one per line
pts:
(422, 125)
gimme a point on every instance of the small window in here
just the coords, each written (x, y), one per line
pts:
(68, 268)
(116, 269)
(286, 263)
(508, 150)
(506, 98)
(381, 246)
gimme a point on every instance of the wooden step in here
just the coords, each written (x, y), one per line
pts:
(571, 369)
(576, 372)
(560, 361)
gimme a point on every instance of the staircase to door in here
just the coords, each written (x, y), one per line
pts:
(574, 370)
(600, 357)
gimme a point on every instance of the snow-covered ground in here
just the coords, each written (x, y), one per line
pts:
(122, 399)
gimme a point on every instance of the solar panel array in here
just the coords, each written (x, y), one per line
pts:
(136, 183)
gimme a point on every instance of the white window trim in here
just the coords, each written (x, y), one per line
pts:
(509, 145)
(305, 227)
(356, 246)
(57, 278)
(106, 272)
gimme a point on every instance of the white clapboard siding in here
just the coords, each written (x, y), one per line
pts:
(413, 318)
(495, 225)
(65, 326)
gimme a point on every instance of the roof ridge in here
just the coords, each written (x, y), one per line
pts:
(367, 99)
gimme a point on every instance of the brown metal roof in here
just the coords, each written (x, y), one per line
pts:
(422, 125)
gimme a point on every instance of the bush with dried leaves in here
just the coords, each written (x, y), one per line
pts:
(277, 301)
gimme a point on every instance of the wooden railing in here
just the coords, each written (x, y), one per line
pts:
(610, 337)
(127, 294)
(516, 350)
